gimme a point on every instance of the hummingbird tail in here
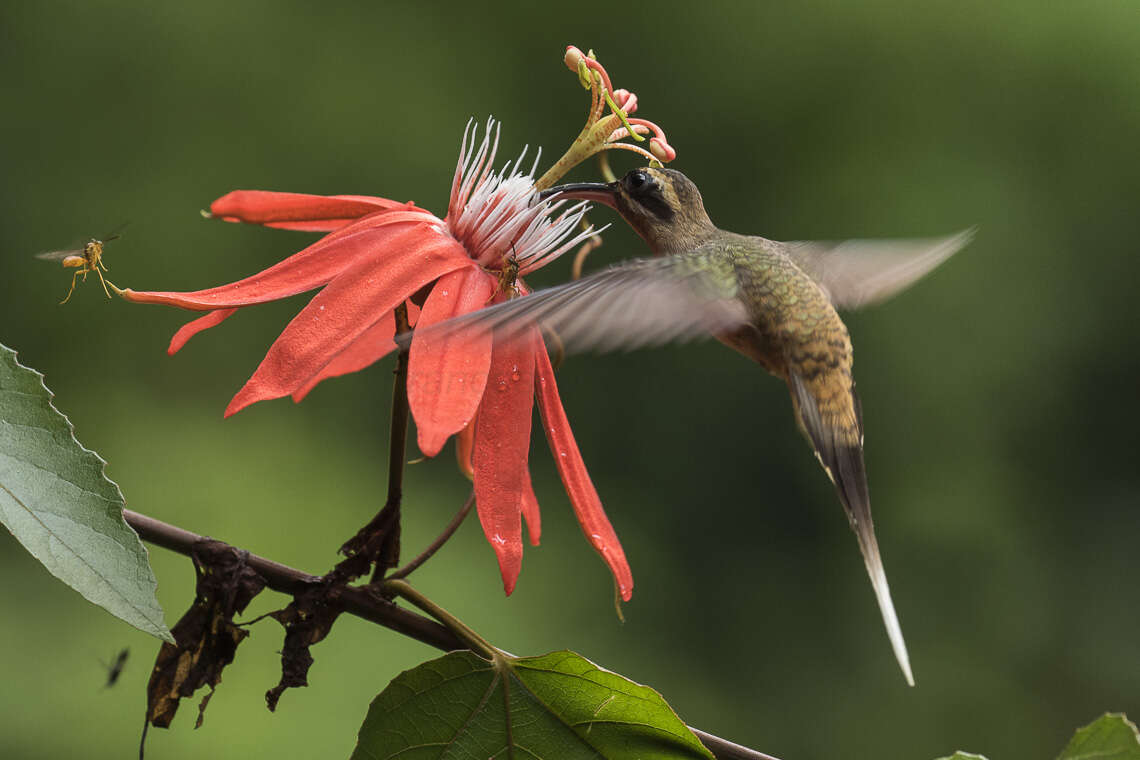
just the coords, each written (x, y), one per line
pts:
(865, 532)
(837, 436)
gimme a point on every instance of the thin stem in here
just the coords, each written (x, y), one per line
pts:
(364, 604)
(592, 242)
(604, 167)
(397, 449)
(287, 580)
(377, 544)
(439, 541)
(474, 641)
(723, 749)
(388, 555)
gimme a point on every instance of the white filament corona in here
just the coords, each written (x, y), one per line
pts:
(496, 215)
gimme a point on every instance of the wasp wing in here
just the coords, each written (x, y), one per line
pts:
(59, 255)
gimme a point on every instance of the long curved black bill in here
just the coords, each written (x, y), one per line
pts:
(596, 192)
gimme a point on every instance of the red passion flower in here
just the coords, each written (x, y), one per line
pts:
(381, 253)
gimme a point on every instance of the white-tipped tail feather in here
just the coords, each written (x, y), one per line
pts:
(874, 565)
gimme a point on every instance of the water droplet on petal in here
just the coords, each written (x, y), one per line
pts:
(502, 386)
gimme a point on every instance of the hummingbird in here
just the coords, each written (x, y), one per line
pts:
(774, 302)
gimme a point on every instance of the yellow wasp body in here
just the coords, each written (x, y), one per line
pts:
(89, 258)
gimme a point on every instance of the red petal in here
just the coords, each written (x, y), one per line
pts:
(350, 305)
(369, 348)
(310, 268)
(530, 511)
(502, 442)
(297, 211)
(583, 496)
(374, 344)
(192, 328)
(447, 374)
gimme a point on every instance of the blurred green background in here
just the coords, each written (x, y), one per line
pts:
(1000, 394)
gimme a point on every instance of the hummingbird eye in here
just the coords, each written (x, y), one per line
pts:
(645, 190)
(637, 180)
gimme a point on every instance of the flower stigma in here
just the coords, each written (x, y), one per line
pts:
(604, 131)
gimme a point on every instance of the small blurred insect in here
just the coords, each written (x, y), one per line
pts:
(115, 668)
(509, 277)
(89, 258)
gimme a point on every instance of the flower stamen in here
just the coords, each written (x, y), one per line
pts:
(603, 132)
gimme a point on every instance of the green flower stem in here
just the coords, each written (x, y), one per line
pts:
(476, 642)
(604, 167)
(585, 145)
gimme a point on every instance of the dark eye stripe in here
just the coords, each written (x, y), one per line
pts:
(654, 203)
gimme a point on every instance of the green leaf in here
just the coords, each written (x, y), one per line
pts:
(56, 501)
(1110, 737)
(559, 705)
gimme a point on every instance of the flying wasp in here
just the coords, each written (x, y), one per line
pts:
(89, 258)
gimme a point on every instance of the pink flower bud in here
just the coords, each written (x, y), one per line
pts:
(661, 150)
(573, 57)
(626, 100)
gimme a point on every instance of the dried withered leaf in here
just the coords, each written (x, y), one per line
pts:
(206, 635)
(307, 620)
(377, 542)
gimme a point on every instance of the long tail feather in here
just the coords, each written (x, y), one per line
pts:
(839, 448)
(865, 532)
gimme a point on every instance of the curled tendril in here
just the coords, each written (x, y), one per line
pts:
(584, 64)
(592, 74)
(618, 112)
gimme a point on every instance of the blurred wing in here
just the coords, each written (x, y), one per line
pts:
(857, 273)
(116, 233)
(642, 302)
(58, 255)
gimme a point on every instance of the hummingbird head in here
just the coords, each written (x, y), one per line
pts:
(663, 205)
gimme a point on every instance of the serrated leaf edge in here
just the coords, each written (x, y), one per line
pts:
(161, 630)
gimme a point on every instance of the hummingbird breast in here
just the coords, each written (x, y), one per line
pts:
(794, 329)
